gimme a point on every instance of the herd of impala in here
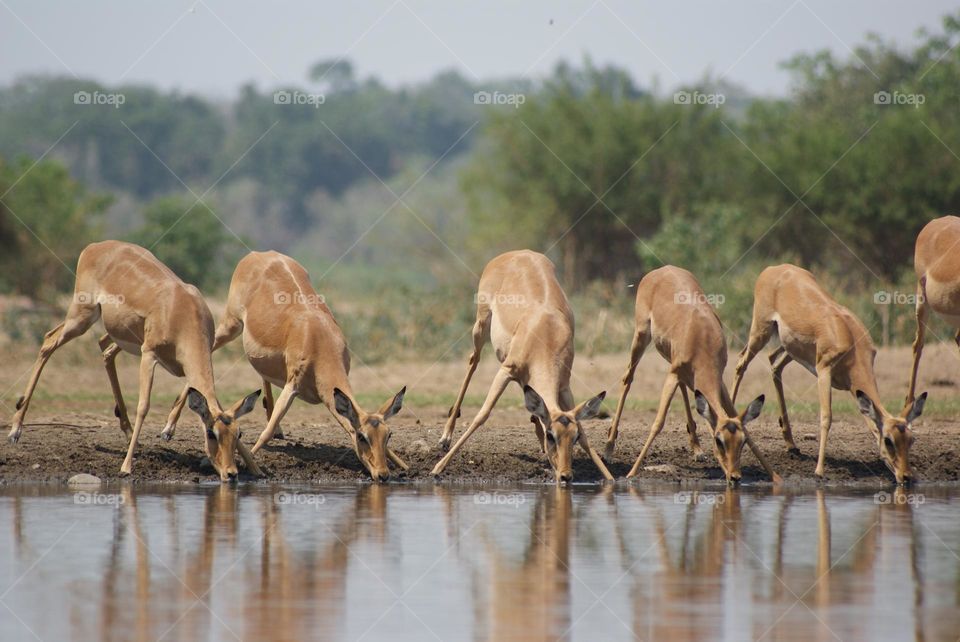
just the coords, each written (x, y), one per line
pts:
(293, 342)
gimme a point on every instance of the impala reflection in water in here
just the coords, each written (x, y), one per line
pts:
(424, 562)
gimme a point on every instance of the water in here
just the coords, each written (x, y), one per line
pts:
(424, 562)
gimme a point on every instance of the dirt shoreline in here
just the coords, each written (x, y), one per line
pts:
(503, 451)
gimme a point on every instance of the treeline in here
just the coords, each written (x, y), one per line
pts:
(609, 178)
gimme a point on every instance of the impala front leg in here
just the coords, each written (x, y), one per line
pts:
(778, 367)
(666, 395)
(287, 395)
(480, 330)
(825, 389)
(499, 384)
(595, 457)
(148, 365)
(640, 342)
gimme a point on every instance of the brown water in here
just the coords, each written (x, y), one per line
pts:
(423, 562)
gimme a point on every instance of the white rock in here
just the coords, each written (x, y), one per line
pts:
(83, 479)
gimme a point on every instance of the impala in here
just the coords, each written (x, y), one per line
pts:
(524, 313)
(147, 311)
(673, 312)
(292, 340)
(829, 341)
(936, 260)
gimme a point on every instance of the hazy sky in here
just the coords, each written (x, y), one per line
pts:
(214, 46)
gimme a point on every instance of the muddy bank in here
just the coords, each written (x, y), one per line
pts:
(504, 450)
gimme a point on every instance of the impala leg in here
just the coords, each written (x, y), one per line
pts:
(760, 333)
(698, 453)
(640, 342)
(287, 395)
(778, 367)
(247, 458)
(825, 388)
(481, 329)
(171, 426)
(268, 407)
(148, 364)
(499, 384)
(666, 395)
(923, 314)
(567, 403)
(110, 350)
(228, 330)
(79, 319)
(777, 479)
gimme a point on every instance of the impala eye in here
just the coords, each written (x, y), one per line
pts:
(362, 438)
(719, 444)
(888, 442)
(551, 438)
(210, 434)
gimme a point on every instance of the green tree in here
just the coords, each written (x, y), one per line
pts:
(190, 239)
(46, 219)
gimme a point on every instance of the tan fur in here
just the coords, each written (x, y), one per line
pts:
(828, 340)
(147, 311)
(937, 263)
(292, 340)
(672, 311)
(523, 311)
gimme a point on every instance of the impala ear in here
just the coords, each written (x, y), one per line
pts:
(393, 406)
(245, 405)
(534, 403)
(915, 409)
(753, 410)
(869, 409)
(589, 408)
(346, 408)
(704, 409)
(198, 404)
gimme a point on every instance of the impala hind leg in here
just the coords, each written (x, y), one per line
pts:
(148, 365)
(287, 395)
(481, 331)
(79, 319)
(640, 341)
(695, 447)
(666, 395)
(110, 350)
(500, 381)
(268, 407)
(923, 314)
(778, 361)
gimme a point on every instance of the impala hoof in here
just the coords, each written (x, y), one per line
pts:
(608, 452)
(13, 439)
(444, 444)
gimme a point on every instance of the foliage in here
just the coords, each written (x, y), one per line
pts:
(46, 219)
(191, 239)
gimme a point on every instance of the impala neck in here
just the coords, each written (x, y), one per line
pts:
(863, 378)
(711, 386)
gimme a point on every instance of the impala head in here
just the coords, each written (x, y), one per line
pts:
(370, 431)
(895, 433)
(728, 435)
(222, 430)
(561, 430)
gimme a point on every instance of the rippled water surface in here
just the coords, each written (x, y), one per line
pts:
(440, 562)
